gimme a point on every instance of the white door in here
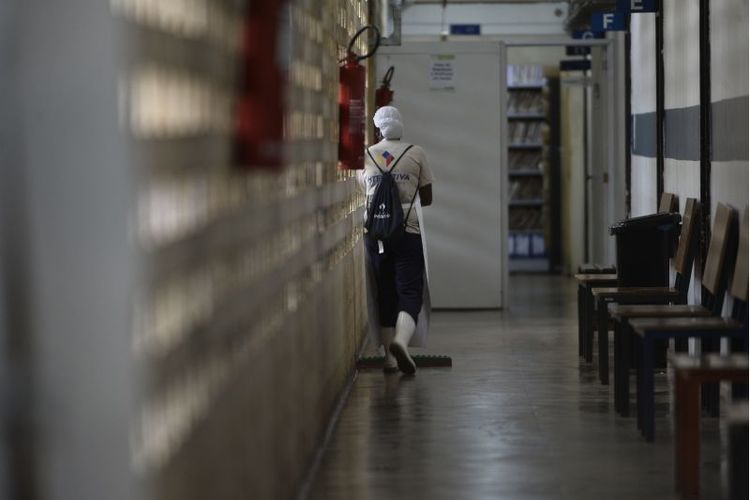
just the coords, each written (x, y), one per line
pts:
(449, 97)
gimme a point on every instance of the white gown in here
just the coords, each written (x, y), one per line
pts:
(419, 339)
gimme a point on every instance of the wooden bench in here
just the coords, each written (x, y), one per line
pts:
(690, 373)
(648, 330)
(677, 294)
(710, 329)
(597, 275)
(586, 310)
(596, 269)
(719, 265)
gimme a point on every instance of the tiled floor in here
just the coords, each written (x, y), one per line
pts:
(517, 417)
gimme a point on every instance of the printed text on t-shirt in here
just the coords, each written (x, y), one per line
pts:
(398, 177)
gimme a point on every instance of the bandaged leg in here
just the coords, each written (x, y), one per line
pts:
(405, 327)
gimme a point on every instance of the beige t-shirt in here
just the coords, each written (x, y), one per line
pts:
(407, 174)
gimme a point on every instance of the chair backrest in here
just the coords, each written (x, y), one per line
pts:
(668, 203)
(683, 261)
(725, 223)
(738, 287)
(717, 250)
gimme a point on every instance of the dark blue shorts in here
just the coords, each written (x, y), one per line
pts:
(399, 275)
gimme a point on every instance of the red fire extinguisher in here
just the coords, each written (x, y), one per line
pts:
(259, 118)
(384, 94)
(352, 80)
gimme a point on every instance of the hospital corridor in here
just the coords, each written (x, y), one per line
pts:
(374, 249)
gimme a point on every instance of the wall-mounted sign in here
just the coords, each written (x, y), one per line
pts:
(587, 34)
(637, 6)
(575, 65)
(465, 29)
(609, 21)
(442, 72)
(577, 50)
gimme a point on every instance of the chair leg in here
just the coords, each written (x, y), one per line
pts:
(603, 316)
(617, 370)
(687, 437)
(580, 319)
(739, 391)
(647, 384)
(627, 362)
(637, 351)
(681, 345)
(660, 354)
(589, 326)
(710, 391)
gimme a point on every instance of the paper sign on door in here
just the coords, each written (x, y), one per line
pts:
(442, 72)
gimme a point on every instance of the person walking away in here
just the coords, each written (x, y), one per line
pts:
(398, 292)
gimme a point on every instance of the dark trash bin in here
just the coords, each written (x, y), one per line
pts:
(644, 247)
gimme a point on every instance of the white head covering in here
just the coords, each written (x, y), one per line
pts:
(388, 120)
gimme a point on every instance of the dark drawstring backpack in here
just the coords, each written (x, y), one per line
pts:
(385, 215)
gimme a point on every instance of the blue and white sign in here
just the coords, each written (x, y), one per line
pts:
(465, 29)
(637, 6)
(587, 34)
(609, 21)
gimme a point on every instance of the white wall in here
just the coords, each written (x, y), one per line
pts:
(729, 88)
(572, 178)
(681, 51)
(729, 49)
(79, 264)
(643, 199)
(729, 80)
(682, 90)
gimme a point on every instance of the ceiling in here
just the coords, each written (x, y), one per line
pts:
(485, 1)
(579, 12)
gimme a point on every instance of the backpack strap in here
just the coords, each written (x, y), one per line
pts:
(394, 163)
(401, 156)
(413, 198)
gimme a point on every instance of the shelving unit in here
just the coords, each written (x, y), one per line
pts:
(529, 159)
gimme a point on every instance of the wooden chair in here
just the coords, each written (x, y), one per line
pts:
(668, 203)
(690, 373)
(586, 310)
(593, 275)
(647, 330)
(596, 269)
(683, 265)
(719, 265)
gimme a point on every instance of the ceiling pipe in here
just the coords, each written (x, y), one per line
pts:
(395, 7)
